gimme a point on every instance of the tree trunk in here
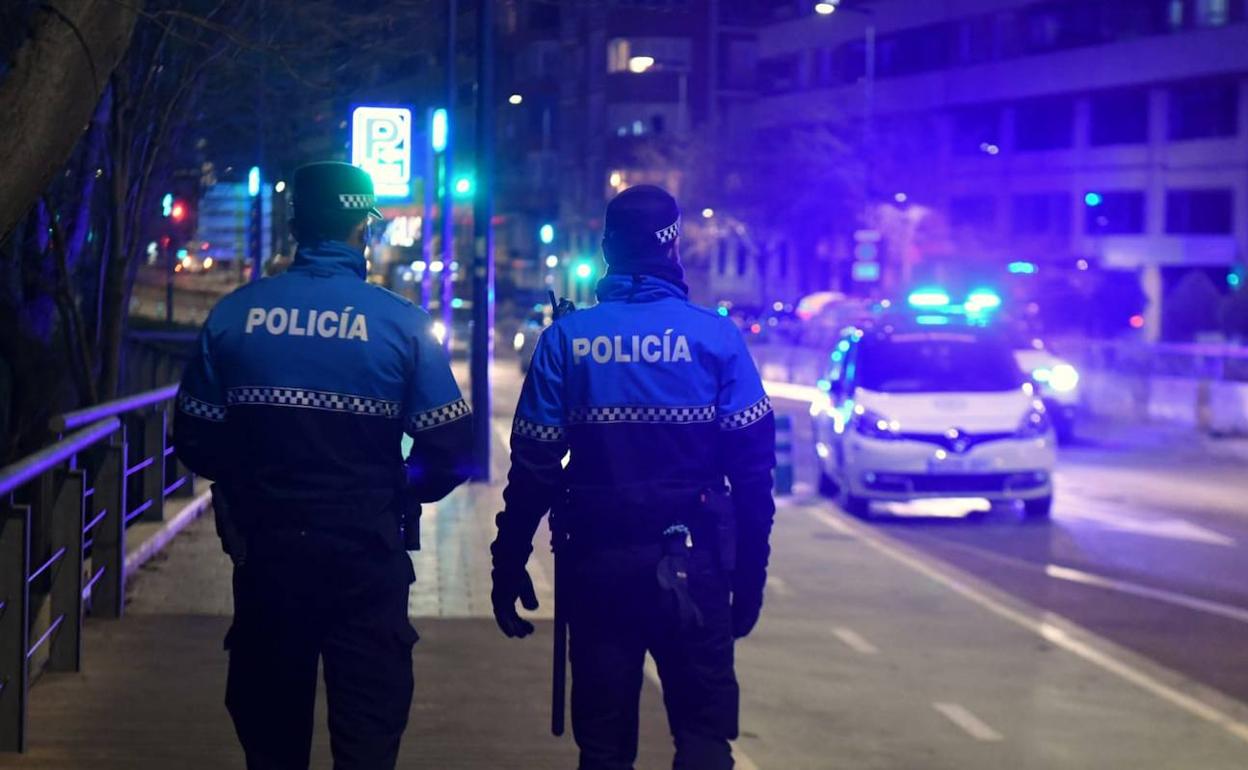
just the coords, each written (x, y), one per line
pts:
(49, 94)
(113, 286)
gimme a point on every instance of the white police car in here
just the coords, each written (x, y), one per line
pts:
(928, 406)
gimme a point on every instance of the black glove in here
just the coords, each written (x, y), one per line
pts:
(512, 583)
(747, 605)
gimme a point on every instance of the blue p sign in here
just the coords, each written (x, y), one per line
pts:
(381, 144)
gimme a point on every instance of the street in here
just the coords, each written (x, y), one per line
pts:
(1112, 637)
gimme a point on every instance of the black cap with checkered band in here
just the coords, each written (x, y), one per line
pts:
(330, 188)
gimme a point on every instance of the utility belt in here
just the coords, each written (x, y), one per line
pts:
(258, 531)
(597, 519)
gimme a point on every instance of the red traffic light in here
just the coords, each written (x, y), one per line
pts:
(178, 212)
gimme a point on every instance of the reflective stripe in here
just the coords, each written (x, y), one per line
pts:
(432, 418)
(313, 399)
(664, 414)
(748, 416)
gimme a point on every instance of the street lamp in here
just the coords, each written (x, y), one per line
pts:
(640, 64)
(515, 99)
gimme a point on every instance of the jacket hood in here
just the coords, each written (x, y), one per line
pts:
(329, 258)
(638, 288)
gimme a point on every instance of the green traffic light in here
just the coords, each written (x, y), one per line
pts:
(584, 270)
(465, 186)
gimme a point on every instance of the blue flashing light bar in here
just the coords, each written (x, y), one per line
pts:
(928, 298)
(1022, 268)
(980, 300)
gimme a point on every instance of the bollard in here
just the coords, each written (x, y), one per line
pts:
(784, 455)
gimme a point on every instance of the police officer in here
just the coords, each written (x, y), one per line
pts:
(296, 402)
(659, 402)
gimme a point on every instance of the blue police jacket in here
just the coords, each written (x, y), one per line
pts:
(650, 393)
(301, 389)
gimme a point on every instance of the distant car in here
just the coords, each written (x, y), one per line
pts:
(913, 412)
(524, 342)
(1057, 382)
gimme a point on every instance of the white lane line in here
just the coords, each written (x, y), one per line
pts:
(778, 587)
(1048, 631)
(1070, 574)
(970, 724)
(854, 641)
(1135, 589)
(743, 762)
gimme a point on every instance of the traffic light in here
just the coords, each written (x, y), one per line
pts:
(547, 233)
(177, 211)
(166, 205)
(1093, 199)
(584, 270)
(465, 186)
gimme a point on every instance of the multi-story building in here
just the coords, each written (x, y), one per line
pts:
(605, 95)
(1078, 134)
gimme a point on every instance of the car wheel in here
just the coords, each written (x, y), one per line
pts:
(1040, 508)
(856, 506)
(828, 486)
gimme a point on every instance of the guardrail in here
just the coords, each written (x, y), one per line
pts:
(63, 517)
(1201, 361)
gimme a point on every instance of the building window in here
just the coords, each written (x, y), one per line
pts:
(741, 263)
(1040, 214)
(1200, 212)
(1114, 213)
(977, 130)
(1119, 117)
(1213, 13)
(721, 258)
(979, 211)
(1203, 110)
(784, 260)
(1044, 124)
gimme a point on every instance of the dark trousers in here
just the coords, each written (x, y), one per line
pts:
(291, 614)
(619, 613)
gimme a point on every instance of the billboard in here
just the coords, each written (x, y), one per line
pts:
(381, 144)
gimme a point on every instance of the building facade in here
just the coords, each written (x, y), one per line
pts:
(1065, 134)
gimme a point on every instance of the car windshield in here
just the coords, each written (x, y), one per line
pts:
(937, 363)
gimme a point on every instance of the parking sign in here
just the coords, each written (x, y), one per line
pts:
(381, 144)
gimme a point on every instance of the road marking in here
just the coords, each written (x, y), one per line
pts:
(854, 641)
(1164, 527)
(970, 724)
(1052, 633)
(1135, 589)
(743, 762)
(1070, 574)
(804, 393)
(778, 586)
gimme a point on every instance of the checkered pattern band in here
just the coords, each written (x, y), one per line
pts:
(357, 200)
(536, 431)
(674, 414)
(456, 410)
(314, 399)
(747, 416)
(201, 409)
(668, 233)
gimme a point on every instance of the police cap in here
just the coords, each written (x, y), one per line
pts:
(642, 221)
(333, 189)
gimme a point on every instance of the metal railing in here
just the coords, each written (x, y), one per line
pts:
(64, 512)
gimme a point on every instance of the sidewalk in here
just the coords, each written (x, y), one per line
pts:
(152, 689)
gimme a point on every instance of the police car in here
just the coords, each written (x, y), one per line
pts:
(932, 403)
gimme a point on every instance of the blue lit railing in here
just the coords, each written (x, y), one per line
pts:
(64, 511)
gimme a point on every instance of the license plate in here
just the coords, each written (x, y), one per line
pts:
(958, 465)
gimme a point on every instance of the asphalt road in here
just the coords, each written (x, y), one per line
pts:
(1112, 636)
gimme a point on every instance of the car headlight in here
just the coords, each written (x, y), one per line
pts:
(1062, 378)
(1035, 422)
(874, 425)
